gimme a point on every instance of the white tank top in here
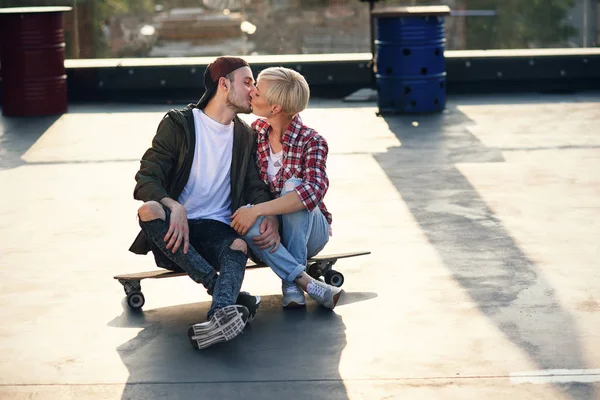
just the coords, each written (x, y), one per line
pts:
(275, 161)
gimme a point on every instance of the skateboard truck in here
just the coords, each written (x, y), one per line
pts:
(133, 290)
(324, 268)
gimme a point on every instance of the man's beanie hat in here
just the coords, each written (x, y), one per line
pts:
(217, 69)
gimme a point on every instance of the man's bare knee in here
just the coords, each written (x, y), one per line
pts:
(239, 245)
(150, 211)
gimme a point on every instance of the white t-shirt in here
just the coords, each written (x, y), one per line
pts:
(207, 194)
(275, 162)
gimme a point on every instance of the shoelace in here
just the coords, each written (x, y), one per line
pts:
(291, 287)
(316, 290)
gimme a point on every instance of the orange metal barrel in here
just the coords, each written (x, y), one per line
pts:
(34, 81)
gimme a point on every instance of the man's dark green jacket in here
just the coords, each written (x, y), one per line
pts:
(165, 167)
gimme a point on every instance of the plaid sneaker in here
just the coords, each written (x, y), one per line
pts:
(324, 294)
(225, 324)
(250, 302)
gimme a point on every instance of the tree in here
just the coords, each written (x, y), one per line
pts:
(519, 24)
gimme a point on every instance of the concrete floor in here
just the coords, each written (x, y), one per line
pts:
(483, 280)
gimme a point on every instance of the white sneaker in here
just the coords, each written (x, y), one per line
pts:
(324, 294)
(293, 296)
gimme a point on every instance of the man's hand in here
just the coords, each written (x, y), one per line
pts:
(243, 219)
(179, 231)
(269, 234)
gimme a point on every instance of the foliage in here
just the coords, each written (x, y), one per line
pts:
(519, 24)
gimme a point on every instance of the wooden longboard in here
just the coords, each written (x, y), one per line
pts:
(318, 266)
(165, 273)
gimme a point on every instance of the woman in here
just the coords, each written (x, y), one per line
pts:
(291, 159)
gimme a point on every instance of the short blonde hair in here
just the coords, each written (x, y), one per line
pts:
(287, 88)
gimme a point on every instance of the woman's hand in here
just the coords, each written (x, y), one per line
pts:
(243, 219)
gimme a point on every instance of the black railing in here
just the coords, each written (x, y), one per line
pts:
(337, 75)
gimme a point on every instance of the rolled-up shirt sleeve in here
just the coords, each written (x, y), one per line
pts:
(315, 182)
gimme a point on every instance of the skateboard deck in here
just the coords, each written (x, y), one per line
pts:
(317, 267)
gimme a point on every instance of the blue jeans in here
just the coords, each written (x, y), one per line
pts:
(303, 235)
(208, 253)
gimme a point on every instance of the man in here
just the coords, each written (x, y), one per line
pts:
(199, 170)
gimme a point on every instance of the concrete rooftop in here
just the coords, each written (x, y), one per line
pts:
(483, 282)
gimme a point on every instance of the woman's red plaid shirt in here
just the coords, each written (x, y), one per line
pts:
(304, 157)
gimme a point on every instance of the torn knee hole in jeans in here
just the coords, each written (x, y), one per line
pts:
(290, 185)
(239, 245)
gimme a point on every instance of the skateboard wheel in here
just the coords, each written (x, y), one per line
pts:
(136, 300)
(334, 278)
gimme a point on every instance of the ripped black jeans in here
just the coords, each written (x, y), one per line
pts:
(208, 253)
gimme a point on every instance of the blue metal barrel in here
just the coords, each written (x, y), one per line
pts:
(410, 68)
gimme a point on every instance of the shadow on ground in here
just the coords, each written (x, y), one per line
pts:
(281, 354)
(17, 135)
(481, 254)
